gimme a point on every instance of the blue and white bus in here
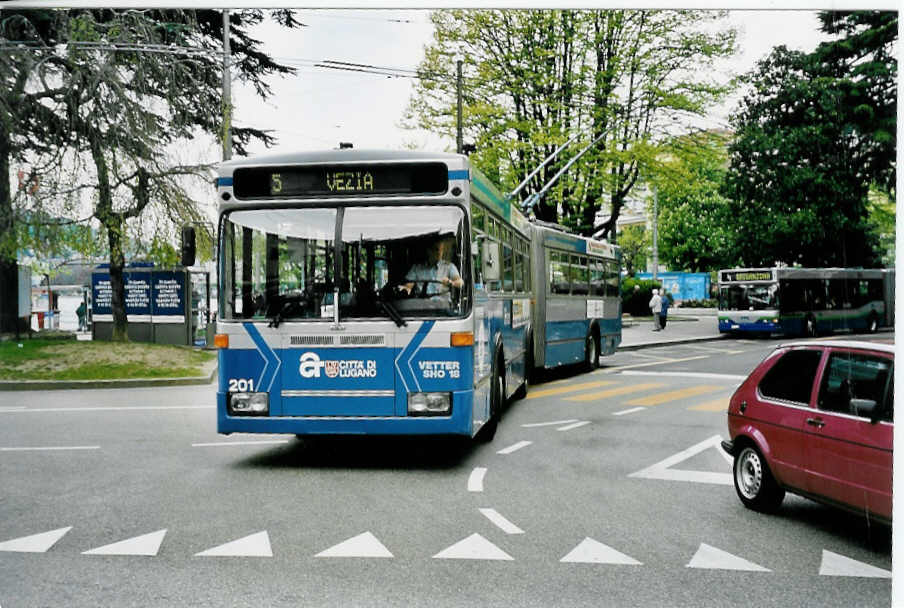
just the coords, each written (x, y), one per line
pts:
(386, 292)
(805, 301)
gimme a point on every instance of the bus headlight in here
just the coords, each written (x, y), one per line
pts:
(429, 404)
(249, 404)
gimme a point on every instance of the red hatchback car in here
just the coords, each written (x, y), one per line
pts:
(816, 419)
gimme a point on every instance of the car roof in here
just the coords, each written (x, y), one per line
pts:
(852, 344)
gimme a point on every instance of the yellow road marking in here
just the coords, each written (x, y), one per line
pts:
(673, 395)
(718, 405)
(568, 389)
(622, 390)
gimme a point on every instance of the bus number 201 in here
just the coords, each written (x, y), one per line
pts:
(241, 385)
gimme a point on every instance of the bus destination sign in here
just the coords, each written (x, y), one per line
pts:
(340, 180)
(746, 275)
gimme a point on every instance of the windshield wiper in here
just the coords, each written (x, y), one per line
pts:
(392, 313)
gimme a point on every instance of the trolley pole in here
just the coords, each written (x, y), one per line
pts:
(458, 134)
(227, 90)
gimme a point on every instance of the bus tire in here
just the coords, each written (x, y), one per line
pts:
(592, 352)
(872, 324)
(497, 399)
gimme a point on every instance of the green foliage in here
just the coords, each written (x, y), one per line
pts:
(535, 78)
(813, 135)
(696, 230)
(636, 294)
(634, 242)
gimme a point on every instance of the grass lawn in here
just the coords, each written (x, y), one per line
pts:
(41, 359)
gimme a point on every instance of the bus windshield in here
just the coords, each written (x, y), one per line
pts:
(749, 297)
(391, 261)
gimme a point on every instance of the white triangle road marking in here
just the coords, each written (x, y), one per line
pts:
(708, 557)
(253, 545)
(363, 545)
(146, 544)
(36, 543)
(473, 547)
(834, 564)
(590, 551)
(664, 470)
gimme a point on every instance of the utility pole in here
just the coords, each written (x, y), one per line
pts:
(655, 231)
(227, 90)
(458, 136)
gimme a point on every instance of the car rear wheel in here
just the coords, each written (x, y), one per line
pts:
(754, 483)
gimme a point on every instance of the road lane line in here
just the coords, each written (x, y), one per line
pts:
(630, 411)
(553, 423)
(475, 481)
(515, 447)
(614, 392)
(732, 377)
(222, 443)
(568, 389)
(51, 449)
(648, 356)
(661, 398)
(501, 522)
(709, 349)
(128, 408)
(618, 368)
(573, 426)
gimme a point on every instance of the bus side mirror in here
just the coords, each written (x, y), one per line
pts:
(491, 261)
(188, 246)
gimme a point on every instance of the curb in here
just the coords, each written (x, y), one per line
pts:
(49, 385)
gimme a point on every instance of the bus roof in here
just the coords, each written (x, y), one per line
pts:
(339, 156)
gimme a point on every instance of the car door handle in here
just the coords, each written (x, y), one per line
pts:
(817, 422)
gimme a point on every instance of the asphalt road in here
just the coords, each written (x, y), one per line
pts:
(600, 489)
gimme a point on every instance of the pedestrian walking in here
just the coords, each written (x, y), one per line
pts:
(664, 311)
(656, 308)
(82, 312)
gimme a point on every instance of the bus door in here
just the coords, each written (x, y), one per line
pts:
(338, 374)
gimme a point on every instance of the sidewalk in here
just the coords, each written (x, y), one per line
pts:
(683, 326)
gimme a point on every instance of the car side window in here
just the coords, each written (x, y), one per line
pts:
(856, 376)
(792, 376)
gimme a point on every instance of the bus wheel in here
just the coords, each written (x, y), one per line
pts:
(592, 356)
(497, 398)
(872, 325)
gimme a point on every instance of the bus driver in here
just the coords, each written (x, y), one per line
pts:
(437, 273)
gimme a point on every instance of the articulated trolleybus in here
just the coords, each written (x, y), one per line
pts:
(391, 293)
(805, 301)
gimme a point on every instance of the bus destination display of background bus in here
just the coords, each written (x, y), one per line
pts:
(340, 180)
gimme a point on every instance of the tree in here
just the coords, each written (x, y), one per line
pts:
(126, 85)
(616, 79)
(816, 131)
(696, 229)
(634, 242)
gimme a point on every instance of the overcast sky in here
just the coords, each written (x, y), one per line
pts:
(318, 108)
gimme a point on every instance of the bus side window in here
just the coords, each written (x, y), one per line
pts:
(558, 272)
(508, 261)
(580, 282)
(598, 278)
(612, 278)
